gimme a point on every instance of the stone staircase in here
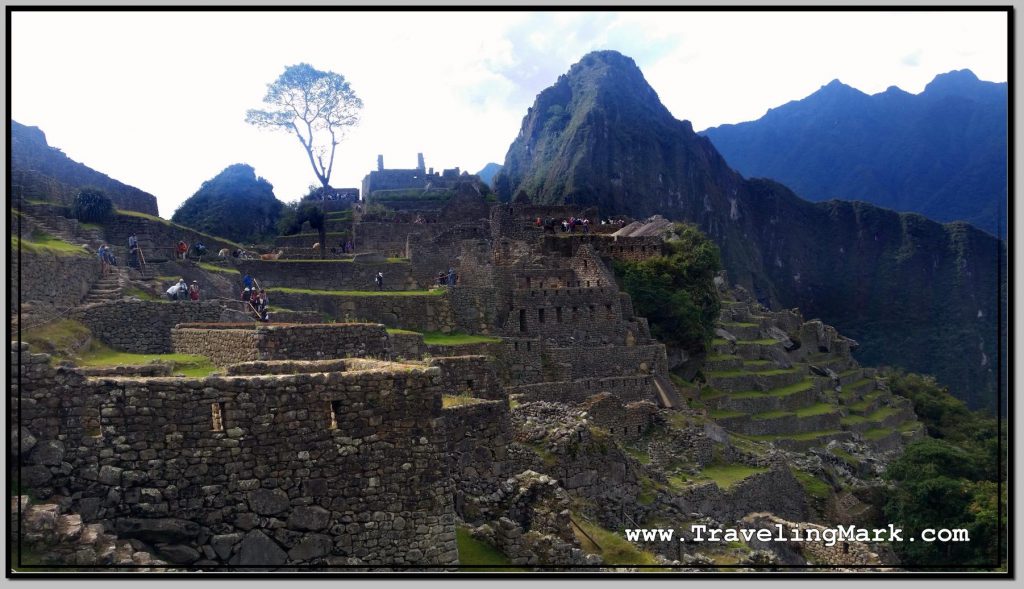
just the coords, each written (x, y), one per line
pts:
(50, 536)
(69, 230)
(108, 288)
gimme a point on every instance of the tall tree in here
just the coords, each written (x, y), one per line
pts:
(318, 107)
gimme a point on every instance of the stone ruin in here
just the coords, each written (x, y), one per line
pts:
(338, 444)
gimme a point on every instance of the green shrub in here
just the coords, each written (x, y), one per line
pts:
(92, 205)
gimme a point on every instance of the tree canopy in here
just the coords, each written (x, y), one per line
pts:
(317, 106)
(235, 204)
(676, 292)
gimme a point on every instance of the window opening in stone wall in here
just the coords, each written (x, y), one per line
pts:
(558, 314)
(522, 319)
(540, 315)
(588, 284)
(334, 407)
(591, 311)
(528, 346)
(469, 383)
(217, 416)
(584, 264)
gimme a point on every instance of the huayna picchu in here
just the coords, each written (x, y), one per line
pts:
(912, 292)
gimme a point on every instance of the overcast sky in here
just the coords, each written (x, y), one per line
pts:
(158, 99)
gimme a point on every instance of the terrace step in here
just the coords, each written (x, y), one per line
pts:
(743, 380)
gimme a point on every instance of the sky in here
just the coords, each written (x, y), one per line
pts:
(158, 99)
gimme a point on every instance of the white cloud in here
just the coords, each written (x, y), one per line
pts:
(158, 100)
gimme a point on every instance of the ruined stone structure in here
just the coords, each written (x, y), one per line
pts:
(330, 468)
(226, 343)
(403, 179)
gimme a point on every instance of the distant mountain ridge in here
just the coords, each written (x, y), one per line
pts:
(488, 172)
(941, 153)
(41, 172)
(914, 293)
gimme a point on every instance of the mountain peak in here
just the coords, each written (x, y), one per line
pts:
(954, 82)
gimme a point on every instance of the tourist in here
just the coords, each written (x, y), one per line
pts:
(586, 225)
(246, 287)
(451, 276)
(182, 247)
(200, 249)
(379, 279)
(178, 291)
(193, 291)
(440, 278)
(101, 253)
(133, 250)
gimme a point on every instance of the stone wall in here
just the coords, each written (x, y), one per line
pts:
(427, 312)
(321, 469)
(478, 435)
(52, 282)
(625, 421)
(776, 491)
(387, 238)
(143, 327)
(407, 345)
(583, 314)
(471, 376)
(328, 274)
(617, 248)
(625, 388)
(591, 362)
(157, 238)
(239, 343)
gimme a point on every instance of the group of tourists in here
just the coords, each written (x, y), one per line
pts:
(181, 291)
(256, 297)
(449, 278)
(568, 225)
(107, 258)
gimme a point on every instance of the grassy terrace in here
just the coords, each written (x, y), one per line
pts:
(814, 487)
(360, 293)
(214, 268)
(614, 548)
(41, 242)
(727, 475)
(481, 554)
(185, 364)
(739, 324)
(448, 401)
(760, 342)
(803, 385)
(804, 437)
(773, 372)
(435, 338)
(809, 411)
(724, 414)
(877, 416)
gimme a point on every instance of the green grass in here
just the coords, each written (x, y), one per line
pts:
(359, 293)
(719, 341)
(186, 364)
(785, 391)
(816, 409)
(804, 437)
(731, 373)
(59, 338)
(458, 401)
(845, 456)
(761, 342)
(213, 268)
(877, 433)
(142, 294)
(641, 456)
(46, 243)
(476, 552)
(614, 548)
(727, 475)
(772, 414)
(722, 357)
(814, 487)
(436, 338)
(394, 331)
